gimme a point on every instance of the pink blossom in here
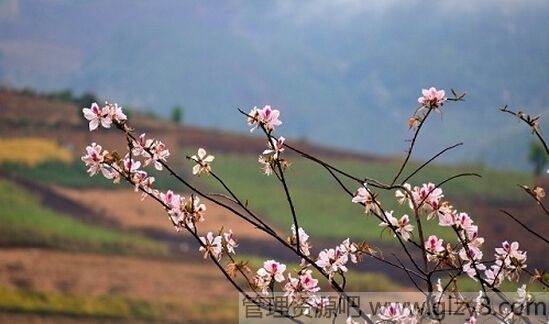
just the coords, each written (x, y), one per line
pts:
(511, 260)
(265, 165)
(403, 196)
(299, 289)
(494, 276)
(211, 245)
(272, 270)
(402, 225)
(393, 312)
(304, 245)
(276, 146)
(159, 154)
(512, 250)
(471, 320)
(266, 116)
(472, 237)
(332, 260)
(434, 245)
(350, 249)
(141, 179)
(141, 145)
(169, 198)
(115, 175)
(146, 185)
(427, 198)
(308, 282)
(253, 118)
(193, 211)
(97, 116)
(432, 98)
(130, 165)
(202, 162)
(229, 242)
(115, 113)
(269, 117)
(464, 221)
(364, 197)
(432, 196)
(94, 159)
(447, 219)
(523, 296)
(471, 253)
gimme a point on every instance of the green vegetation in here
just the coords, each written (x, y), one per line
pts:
(325, 210)
(25, 221)
(537, 157)
(97, 307)
(177, 115)
(111, 307)
(74, 175)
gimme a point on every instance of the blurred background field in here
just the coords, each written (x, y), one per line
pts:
(77, 248)
(345, 75)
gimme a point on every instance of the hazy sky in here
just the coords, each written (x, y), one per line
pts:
(342, 71)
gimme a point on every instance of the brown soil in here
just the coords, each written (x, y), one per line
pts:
(147, 214)
(98, 275)
(183, 283)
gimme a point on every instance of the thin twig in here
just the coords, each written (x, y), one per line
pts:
(524, 226)
(411, 147)
(429, 161)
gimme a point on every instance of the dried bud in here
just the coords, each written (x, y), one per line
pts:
(538, 276)
(413, 122)
(538, 193)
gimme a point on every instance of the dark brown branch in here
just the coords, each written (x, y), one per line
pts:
(411, 147)
(532, 122)
(524, 226)
(429, 161)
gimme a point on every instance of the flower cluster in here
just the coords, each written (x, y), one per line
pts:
(427, 199)
(271, 272)
(334, 260)
(401, 226)
(103, 116)
(112, 167)
(183, 212)
(266, 116)
(153, 151)
(470, 251)
(508, 265)
(215, 245)
(300, 286)
(430, 99)
(300, 290)
(396, 312)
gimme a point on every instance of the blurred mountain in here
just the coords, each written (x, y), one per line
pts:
(344, 73)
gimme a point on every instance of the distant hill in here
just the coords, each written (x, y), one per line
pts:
(25, 115)
(344, 73)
